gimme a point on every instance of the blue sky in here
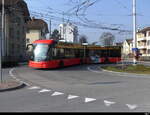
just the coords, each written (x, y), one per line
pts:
(106, 13)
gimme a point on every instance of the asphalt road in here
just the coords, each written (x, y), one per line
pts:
(77, 89)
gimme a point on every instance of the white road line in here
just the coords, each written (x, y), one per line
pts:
(93, 70)
(57, 93)
(34, 87)
(13, 76)
(17, 79)
(72, 96)
(108, 103)
(131, 107)
(89, 100)
(10, 72)
(44, 90)
(25, 83)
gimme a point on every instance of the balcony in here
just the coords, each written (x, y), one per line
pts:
(141, 39)
(142, 47)
(144, 54)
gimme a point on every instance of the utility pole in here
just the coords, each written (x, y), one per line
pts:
(50, 28)
(134, 33)
(2, 38)
(63, 28)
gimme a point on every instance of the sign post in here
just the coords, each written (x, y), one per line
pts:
(135, 55)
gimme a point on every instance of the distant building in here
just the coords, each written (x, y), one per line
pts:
(68, 33)
(119, 44)
(36, 30)
(143, 41)
(16, 17)
(127, 48)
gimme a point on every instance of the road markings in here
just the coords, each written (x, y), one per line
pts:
(34, 87)
(72, 96)
(44, 90)
(10, 72)
(25, 83)
(108, 103)
(89, 100)
(131, 107)
(57, 93)
(89, 69)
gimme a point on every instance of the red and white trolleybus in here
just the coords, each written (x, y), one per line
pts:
(52, 54)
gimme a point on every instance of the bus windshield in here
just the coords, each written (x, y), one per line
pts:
(40, 52)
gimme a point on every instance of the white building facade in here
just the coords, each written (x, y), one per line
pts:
(127, 48)
(143, 41)
(68, 33)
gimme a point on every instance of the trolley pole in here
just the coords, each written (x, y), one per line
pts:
(2, 38)
(134, 33)
(50, 28)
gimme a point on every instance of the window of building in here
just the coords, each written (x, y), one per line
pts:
(148, 42)
(18, 34)
(148, 33)
(145, 34)
(148, 51)
(11, 32)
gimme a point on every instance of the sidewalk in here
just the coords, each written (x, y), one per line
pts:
(9, 83)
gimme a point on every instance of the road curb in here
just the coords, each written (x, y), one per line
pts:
(21, 85)
(125, 73)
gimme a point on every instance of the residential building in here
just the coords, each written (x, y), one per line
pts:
(143, 42)
(36, 30)
(127, 48)
(68, 33)
(15, 19)
(119, 44)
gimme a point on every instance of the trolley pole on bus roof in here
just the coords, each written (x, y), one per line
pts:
(2, 38)
(134, 33)
(50, 29)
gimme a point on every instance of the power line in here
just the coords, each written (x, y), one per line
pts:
(94, 26)
(121, 4)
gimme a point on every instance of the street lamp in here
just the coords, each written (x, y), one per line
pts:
(134, 33)
(2, 38)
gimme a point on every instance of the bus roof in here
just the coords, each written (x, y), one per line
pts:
(44, 41)
(75, 45)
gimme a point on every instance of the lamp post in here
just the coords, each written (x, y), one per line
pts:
(84, 44)
(134, 33)
(2, 38)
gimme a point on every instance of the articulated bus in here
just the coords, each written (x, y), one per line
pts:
(52, 54)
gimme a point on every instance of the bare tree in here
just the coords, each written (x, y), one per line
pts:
(55, 35)
(83, 39)
(107, 39)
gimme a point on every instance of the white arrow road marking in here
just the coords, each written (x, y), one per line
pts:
(108, 103)
(131, 106)
(25, 83)
(44, 90)
(10, 72)
(89, 100)
(57, 93)
(72, 96)
(34, 87)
